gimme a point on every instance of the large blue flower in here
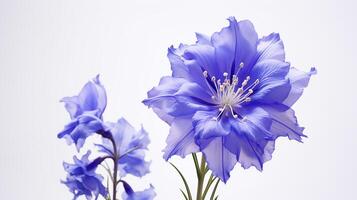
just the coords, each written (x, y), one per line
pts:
(85, 111)
(130, 147)
(229, 96)
(82, 180)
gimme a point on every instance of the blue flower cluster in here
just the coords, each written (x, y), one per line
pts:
(121, 143)
(230, 97)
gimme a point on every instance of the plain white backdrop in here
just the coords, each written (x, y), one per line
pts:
(50, 49)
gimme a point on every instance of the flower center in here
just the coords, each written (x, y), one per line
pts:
(227, 94)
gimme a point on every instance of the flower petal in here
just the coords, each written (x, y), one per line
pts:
(203, 39)
(250, 152)
(273, 86)
(147, 194)
(83, 181)
(91, 97)
(219, 159)
(131, 146)
(250, 136)
(176, 97)
(189, 62)
(134, 163)
(180, 141)
(206, 126)
(270, 47)
(204, 56)
(195, 92)
(178, 67)
(284, 122)
(235, 44)
(255, 123)
(79, 129)
(298, 80)
(161, 98)
(72, 105)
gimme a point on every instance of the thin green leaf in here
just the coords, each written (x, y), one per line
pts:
(214, 191)
(209, 183)
(216, 197)
(184, 181)
(183, 193)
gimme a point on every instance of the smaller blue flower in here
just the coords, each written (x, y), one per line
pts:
(129, 194)
(130, 147)
(82, 180)
(85, 111)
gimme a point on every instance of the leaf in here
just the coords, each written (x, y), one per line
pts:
(184, 181)
(183, 193)
(214, 191)
(209, 183)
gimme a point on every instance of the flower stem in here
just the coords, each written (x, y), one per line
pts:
(201, 173)
(115, 176)
(115, 172)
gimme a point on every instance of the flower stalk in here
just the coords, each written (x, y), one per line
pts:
(201, 173)
(115, 172)
(202, 186)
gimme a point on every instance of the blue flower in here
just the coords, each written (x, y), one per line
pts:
(82, 180)
(85, 111)
(229, 97)
(129, 194)
(130, 147)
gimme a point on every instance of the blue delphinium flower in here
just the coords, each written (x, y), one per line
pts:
(83, 181)
(85, 111)
(130, 148)
(121, 143)
(229, 97)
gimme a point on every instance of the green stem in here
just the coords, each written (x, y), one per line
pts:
(201, 173)
(115, 172)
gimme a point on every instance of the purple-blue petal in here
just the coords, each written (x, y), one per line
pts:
(270, 47)
(235, 44)
(86, 111)
(298, 80)
(131, 146)
(147, 194)
(83, 181)
(180, 141)
(206, 125)
(284, 122)
(219, 159)
(272, 86)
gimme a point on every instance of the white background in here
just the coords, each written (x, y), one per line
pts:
(50, 49)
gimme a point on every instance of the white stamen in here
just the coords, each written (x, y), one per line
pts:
(227, 95)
